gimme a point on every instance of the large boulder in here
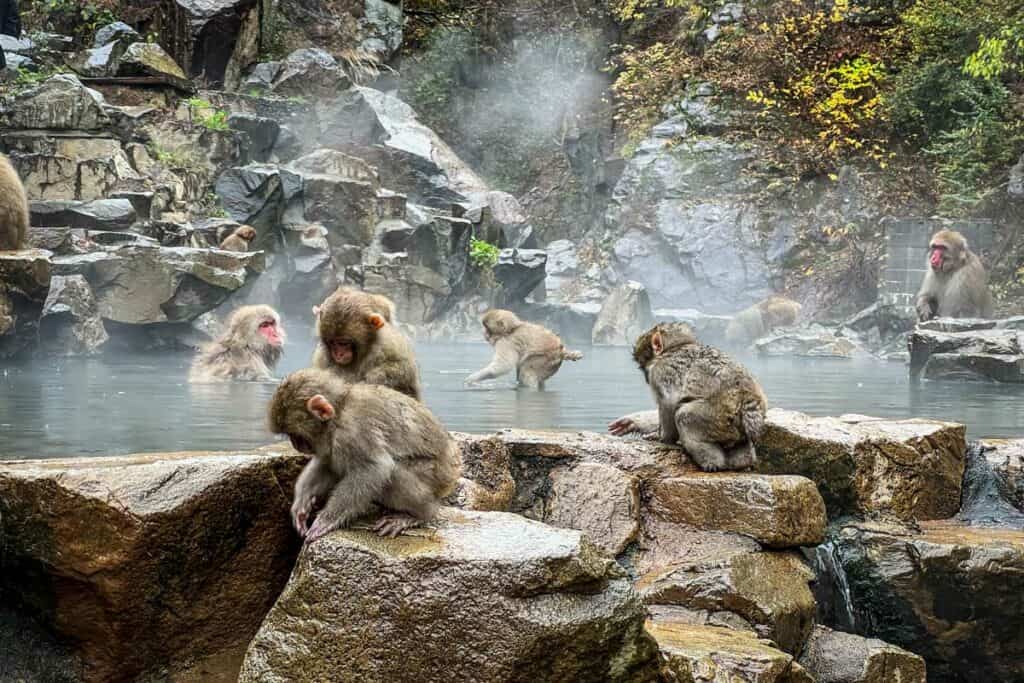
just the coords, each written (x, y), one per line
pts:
(150, 60)
(99, 214)
(309, 72)
(989, 354)
(58, 103)
(257, 195)
(909, 468)
(837, 657)
(374, 27)
(215, 40)
(1006, 459)
(625, 315)
(483, 596)
(813, 341)
(145, 561)
(520, 271)
(70, 324)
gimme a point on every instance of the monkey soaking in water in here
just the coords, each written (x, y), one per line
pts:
(14, 215)
(371, 446)
(240, 239)
(534, 352)
(753, 323)
(956, 284)
(359, 343)
(249, 350)
(707, 402)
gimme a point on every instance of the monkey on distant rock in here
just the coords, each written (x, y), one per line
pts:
(248, 351)
(956, 284)
(754, 322)
(534, 352)
(14, 214)
(240, 239)
(371, 446)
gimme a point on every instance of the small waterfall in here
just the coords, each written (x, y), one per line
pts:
(983, 501)
(832, 590)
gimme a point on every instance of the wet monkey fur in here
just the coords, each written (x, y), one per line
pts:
(248, 351)
(534, 352)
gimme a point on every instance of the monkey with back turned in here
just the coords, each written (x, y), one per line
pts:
(371, 446)
(956, 284)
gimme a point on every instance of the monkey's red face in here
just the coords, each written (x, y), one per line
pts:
(940, 258)
(269, 330)
(343, 351)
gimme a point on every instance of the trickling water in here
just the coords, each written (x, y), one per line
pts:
(983, 501)
(133, 403)
(832, 590)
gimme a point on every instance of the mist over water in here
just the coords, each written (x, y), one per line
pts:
(126, 404)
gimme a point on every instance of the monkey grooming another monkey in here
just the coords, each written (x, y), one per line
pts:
(754, 322)
(956, 284)
(371, 445)
(239, 240)
(359, 343)
(14, 216)
(248, 351)
(534, 352)
(707, 402)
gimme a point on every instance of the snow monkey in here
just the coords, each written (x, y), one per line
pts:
(14, 216)
(707, 402)
(359, 343)
(240, 239)
(956, 284)
(248, 351)
(533, 351)
(753, 323)
(371, 446)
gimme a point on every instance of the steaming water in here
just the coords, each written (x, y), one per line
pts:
(127, 404)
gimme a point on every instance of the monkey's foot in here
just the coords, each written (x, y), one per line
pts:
(394, 524)
(301, 514)
(320, 528)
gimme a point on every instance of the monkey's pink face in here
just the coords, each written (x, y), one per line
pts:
(343, 351)
(939, 258)
(271, 332)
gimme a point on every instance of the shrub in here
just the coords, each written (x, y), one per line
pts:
(483, 254)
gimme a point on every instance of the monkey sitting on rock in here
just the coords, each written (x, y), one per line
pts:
(240, 239)
(248, 351)
(707, 402)
(534, 352)
(371, 446)
(956, 284)
(14, 214)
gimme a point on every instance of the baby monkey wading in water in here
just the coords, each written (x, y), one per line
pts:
(707, 402)
(249, 350)
(956, 284)
(534, 352)
(359, 344)
(370, 445)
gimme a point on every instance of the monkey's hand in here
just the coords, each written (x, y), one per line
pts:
(644, 422)
(302, 512)
(394, 524)
(623, 426)
(324, 524)
(925, 310)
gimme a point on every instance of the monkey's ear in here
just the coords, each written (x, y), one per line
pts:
(320, 408)
(376, 320)
(657, 343)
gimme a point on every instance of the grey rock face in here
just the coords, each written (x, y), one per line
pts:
(836, 657)
(70, 324)
(624, 316)
(990, 352)
(117, 31)
(520, 271)
(58, 103)
(100, 214)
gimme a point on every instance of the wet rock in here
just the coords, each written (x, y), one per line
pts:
(26, 272)
(310, 72)
(519, 271)
(70, 324)
(562, 267)
(381, 25)
(574, 323)
(986, 355)
(7, 318)
(882, 322)
(912, 469)
(419, 293)
(542, 603)
(216, 39)
(625, 315)
(486, 483)
(116, 32)
(99, 214)
(441, 243)
(710, 329)
(89, 543)
(1006, 458)
(262, 134)
(508, 217)
(257, 194)
(141, 285)
(694, 654)
(601, 501)
(950, 593)
(837, 657)
(814, 341)
(149, 59)
(1015, 187)
(766, 593)
(58, 103)
(374, 27)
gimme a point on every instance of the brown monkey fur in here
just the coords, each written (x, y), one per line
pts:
(248, 351)
(758, 320)
(534, 352)
(371, 446)
(707, 402)
(14, 216)
(956, 284)
(239, 240)
(359, 343)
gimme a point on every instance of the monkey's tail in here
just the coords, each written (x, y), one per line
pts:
(753, 419)
(571, 355)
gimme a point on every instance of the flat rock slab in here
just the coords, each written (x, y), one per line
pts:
(145, 560)
(951, 593)
(479, 596)
(983, 354)
(837, 657)
(1006, 458)
(708, 654)
(912, 469)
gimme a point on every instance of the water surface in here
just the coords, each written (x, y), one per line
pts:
(127, 404)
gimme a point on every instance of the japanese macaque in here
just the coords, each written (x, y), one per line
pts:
(956, 284)
(371, 446)
(534, 352)
(248, 351)
(239, 240)
(359, 343)
(753, 323)
(14, 216)
(707, 402)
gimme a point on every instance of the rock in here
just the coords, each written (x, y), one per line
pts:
(26, 272)
(886, 321)
(519, 271)
(60, 102)
(262, 134)
(12, 44)
(986, 355)
(116, 32)
(370, 28)
(487, 483)
(90, 543)
(540, 603)
(419, 293)
(149, 59)
(381, 24)
(508, 217)
(99, 214)
(950, 593)
(710, 329)
(814, 341)
(699, 654)
(216, 39)
(70, 324)
(1006, 458)
(624, 316)
(599, 500)
(562, 267)
(7, 319)
(912, 469)
(574, 323)
(836, 657)
(257, 194)
(310, 72)
(1015, 187)
(141, 285)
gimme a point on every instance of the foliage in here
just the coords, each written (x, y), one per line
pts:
(74, 17)
(206, 115)
(483, 254)
(646, 80)
(170, 158)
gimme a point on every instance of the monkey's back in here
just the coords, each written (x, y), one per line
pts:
(14, 213)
